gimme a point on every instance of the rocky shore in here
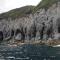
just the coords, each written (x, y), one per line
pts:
(36, 42)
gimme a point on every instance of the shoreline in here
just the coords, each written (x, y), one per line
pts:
(52, 43)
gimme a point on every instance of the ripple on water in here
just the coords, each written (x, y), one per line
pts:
(10, 57)
(27, 58)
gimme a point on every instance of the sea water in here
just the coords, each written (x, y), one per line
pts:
(29, 52)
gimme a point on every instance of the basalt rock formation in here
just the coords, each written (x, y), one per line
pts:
(42, 24)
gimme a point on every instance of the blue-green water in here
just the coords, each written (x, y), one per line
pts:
(30, 52)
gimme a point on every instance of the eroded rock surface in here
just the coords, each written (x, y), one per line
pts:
(42, 25)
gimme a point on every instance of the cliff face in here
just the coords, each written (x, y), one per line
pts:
(44, 24)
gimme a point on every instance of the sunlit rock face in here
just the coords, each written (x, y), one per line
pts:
(43, 25)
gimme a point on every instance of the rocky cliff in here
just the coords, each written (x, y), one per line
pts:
(42, 24)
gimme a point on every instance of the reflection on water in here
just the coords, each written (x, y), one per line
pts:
(29, 52)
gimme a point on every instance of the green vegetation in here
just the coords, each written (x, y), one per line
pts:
(24, 11)
(45, 4)
(19, 12)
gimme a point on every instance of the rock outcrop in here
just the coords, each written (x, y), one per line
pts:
(42, 25)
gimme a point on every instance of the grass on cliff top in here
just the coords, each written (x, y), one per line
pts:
(24, 11)
(45, 4)
(19, 12)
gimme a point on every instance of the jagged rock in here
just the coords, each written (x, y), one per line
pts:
(42, 25)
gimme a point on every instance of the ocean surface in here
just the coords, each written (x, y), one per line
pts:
(29, 52)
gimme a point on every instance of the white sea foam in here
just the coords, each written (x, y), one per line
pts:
(11, 57)
(56, 46)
